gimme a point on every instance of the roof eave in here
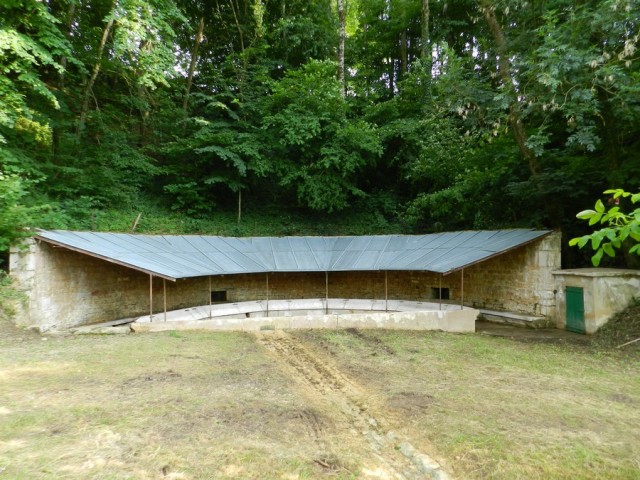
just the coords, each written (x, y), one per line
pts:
(497, 254)
(105, 258)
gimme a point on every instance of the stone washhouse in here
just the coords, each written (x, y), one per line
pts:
(438, 281)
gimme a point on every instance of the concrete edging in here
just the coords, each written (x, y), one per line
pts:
(248, 317)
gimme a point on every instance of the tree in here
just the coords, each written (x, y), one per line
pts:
(192, 64)
(619, 227)
(342, 35)
(425, 47)
(136, 36)
(509, 84)
(320, 152)
(14, 216)
(462, 114)
(30, 45)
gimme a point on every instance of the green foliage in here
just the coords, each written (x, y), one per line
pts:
(301, 30)
(14, 216)
(139, 24)
(320, 152)
(216, 154)
(577, 73)
(8, 295)
(94, 111)
(259, 218)
(619, 227)
(29, 41)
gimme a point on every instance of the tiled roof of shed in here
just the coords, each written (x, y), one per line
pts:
(184, 256)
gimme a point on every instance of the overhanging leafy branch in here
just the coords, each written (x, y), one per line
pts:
(619, 226)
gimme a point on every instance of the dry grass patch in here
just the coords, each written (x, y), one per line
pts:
(199, 405)
(498, 408)
(183, 406)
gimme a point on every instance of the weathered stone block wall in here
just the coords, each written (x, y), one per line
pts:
(519, 281)
(64, 288)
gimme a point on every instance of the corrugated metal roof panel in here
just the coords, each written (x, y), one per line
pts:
(285, 261)
(183, 256)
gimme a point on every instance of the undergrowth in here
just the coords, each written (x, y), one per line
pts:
(8, 296)
(256, 220)
(623, 327)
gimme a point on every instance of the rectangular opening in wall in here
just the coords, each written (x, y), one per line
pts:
(435, 293)
(218, 296)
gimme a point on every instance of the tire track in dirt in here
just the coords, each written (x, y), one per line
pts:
(371, 340)
(395, 457)
(314, 427)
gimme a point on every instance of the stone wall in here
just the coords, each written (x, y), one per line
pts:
(519, 281)
(64, 288)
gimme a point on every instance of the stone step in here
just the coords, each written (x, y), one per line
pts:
(516, 319)
(114, 326)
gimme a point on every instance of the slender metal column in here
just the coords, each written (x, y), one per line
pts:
(386, 292)
(326, 293)
(462, 289)
(164, 296)
(267, 294)
(440, 294)
(210, 296)
(150, 298)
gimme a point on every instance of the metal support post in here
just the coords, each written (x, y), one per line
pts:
(150, 298)
(164, 295)
(326, 293)
(386, 292)
(462, 289)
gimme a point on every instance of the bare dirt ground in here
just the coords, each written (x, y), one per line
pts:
(314, 404)
(390, 456)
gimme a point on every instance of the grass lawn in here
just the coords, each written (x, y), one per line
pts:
(499, 408)
(199, 405)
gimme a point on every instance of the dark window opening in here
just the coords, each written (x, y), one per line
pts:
(4, 261)
(219, 296)
(436, 292)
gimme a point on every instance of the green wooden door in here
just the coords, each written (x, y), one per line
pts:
(575, 309)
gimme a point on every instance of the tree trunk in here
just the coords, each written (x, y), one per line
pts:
(94, 74)
(240, 72)
(283, 31)
(238, 26)
(425, 48)
(258, 16)
(392, 77)
(56, 129)
(341, 40)
(192, 63)
(404, 54)
(144, 99)
(504, 69)
(69, 23)
(611, 136)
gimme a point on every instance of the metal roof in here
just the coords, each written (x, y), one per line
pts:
(184, 256)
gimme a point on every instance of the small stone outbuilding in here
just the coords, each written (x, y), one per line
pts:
(588, 297)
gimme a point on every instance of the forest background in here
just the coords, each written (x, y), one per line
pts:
(252, 117)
